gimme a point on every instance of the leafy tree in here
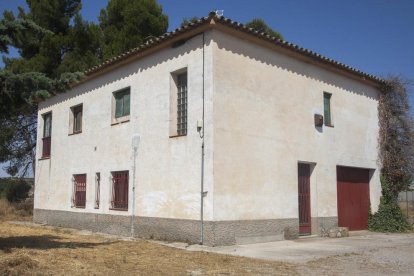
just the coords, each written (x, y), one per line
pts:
(261, 26)
(14, 190)
(126, 24)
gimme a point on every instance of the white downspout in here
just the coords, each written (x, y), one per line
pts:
(135, 144)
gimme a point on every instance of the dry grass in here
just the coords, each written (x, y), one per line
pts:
(39, 250)
(15, 211)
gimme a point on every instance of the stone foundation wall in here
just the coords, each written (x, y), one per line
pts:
(216, 233)
(321, 224)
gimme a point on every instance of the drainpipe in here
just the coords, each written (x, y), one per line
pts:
(135, 143)
(202, 193)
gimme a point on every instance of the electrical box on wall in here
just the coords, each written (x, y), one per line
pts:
(318, 120)
(199, 125)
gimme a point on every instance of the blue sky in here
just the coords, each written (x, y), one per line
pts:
(375, 36)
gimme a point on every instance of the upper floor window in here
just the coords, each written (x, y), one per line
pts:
(327, 109)
(76, 119)
(182, 104)
(47, 134)
(122, 103)
(178, 104)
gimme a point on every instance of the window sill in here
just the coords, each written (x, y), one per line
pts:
(79, 207)
(176, 136)
(118, 209)
(329, 126)
(74, 133)
(44, 158)
(120, 120)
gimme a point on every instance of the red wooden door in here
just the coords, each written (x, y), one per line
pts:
(304, 199)
(353, 197)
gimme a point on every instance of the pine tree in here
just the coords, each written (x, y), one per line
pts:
(261, 26)
(27, 79)
(127, 24)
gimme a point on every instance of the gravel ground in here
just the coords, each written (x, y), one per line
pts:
(364, 253)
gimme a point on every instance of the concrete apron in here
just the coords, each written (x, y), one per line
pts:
(306, 249)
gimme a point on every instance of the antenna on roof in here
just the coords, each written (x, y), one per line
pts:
(219, 12)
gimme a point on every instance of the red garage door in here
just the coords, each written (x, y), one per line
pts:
(353, 197)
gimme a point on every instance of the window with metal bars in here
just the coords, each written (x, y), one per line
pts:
(182, 104)
(120, 190)
(97, 190)
(79, 190)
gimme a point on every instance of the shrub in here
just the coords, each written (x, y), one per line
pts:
(389, 217)
(14, 190)
(24, 208)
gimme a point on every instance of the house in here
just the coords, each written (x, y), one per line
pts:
(212, 133)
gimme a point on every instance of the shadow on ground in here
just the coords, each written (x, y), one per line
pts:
(43, 242)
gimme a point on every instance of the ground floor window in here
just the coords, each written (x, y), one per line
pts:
(79, 190)
(120, 181)
(97, 190)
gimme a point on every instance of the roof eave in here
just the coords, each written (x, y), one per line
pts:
(236, 29)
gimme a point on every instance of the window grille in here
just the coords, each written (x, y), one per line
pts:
(79, 190)
(97, 190)
(120, 190)
(182, 104)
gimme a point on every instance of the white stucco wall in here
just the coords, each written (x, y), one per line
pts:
(259, 108)
(168, 170)
(264, 106)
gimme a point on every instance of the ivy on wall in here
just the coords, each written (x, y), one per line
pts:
(396, 155)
